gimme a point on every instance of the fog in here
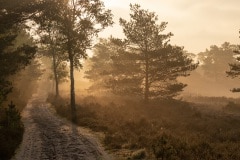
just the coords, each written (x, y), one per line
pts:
(152, 80)
(196, 25)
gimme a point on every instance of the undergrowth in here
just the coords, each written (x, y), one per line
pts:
(11, 131)
(166, 130)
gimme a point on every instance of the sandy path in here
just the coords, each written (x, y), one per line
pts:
(48, 136)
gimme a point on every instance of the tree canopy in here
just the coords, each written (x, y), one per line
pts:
(161, 63)
(77, 22)
(215, 60)
(12, 59)
(144, 63)
(235, 67)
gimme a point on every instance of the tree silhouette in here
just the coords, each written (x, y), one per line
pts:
(12, 59)
(235, 67)
(51, 46)
(161, 63)
(145, 35)
(216, 59)
(117, 68)
(78, 22)
(114, 69)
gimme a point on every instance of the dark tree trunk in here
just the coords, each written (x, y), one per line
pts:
(55, 74)
(72, 90)
(71, 61)
(146, 93)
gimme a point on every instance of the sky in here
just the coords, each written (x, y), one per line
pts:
(196, 24)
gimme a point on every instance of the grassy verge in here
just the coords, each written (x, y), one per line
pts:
(162, 130)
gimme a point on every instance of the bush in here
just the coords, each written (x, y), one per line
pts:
(166, 129)
(203, 150)
(114, 141)
(11, 131)
(232, 107)
(139, 154)
(163, 147)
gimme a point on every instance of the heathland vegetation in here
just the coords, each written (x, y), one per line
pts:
(148, 98)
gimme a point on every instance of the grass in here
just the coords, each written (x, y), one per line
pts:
(161, 130)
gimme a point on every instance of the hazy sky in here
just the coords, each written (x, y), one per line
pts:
(196, 24)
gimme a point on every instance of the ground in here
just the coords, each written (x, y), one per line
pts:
(48, 136)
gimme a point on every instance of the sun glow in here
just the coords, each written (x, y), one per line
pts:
(113, 3)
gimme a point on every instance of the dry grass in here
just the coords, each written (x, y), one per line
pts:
(163, 129)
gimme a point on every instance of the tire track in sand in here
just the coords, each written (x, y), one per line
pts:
(47, 136)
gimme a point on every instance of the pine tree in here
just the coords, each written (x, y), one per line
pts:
(235, 67)
(161, 63)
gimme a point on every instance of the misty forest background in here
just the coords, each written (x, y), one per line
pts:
(151, 99)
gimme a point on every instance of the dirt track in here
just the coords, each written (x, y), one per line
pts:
(48, 136)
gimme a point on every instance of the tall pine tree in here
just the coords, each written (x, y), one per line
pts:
(161, 63)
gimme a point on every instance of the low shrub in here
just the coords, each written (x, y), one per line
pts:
(114, 141)
(166, 130)
(139, 154)
(11, 131)
(232, 107)
(165, 147)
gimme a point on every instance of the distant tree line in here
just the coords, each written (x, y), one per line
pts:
(210, 78)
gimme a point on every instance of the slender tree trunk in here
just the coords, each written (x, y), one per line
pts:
(72, 90)
(146, 94)
(55, 73)
(71, 60)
